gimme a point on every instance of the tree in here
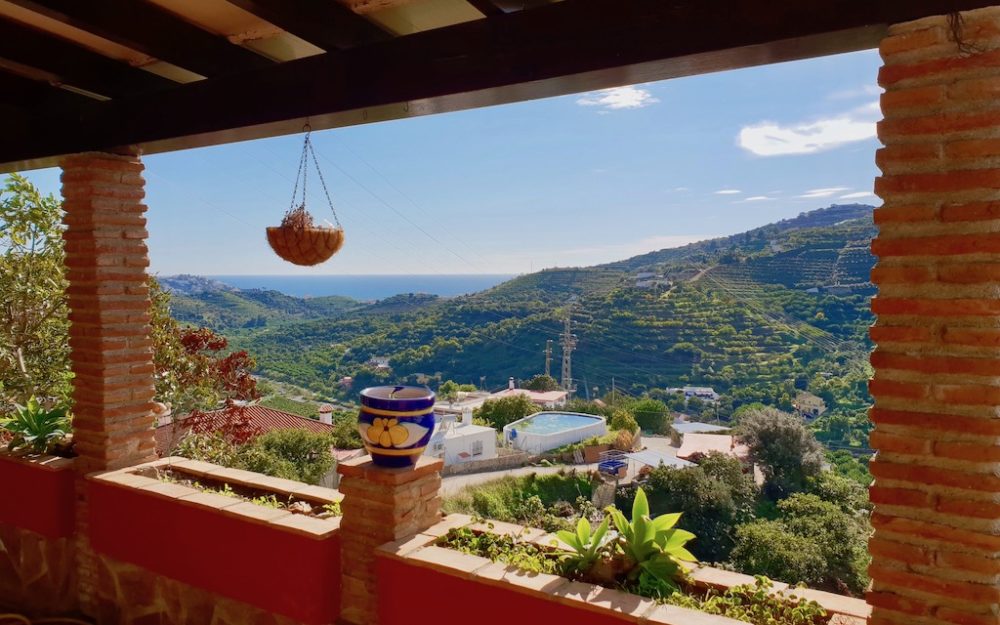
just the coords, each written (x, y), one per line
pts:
(542, 383)
(622, 419)
(652, 415)
(448, 391)
(34, 325)
(714, 498)
(786, 452)
(499, 412)
(193, 370)
(295, 454)
(766, 547)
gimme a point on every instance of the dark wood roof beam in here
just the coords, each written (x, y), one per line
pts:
(486, 7)
(146, 28)
(323, 23)
(74, 65)
(563, 48)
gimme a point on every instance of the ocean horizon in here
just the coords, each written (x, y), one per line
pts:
(368, 287)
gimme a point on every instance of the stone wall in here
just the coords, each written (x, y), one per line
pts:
(500, 463)
(937, 362)
(128, 594)
(37, 574)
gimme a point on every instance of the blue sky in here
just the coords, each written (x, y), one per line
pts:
(568, 181)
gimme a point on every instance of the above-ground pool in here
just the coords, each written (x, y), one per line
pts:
(543, 431)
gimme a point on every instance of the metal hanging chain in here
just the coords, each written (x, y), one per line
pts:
(300, 176)
(307, 151)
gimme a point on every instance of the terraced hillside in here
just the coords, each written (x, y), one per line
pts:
(730, 312)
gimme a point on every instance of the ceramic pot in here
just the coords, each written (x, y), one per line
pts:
(396, 423)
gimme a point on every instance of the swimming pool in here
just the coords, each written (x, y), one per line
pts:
(547, 430)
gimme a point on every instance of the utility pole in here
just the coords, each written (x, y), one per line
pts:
(548, 358)
(568, 342)
(614, 391)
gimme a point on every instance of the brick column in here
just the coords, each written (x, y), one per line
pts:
(937, 362)
(380, 505)
(109, 337)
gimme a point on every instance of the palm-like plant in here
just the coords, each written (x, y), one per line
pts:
(34, 427)
(588, 547)
(652, 547)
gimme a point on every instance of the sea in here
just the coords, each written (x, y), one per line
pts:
(367, 288)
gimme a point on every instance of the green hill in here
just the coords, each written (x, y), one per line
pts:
(748, 314)
(202, 302)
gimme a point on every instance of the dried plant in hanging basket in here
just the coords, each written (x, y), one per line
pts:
(300, 242)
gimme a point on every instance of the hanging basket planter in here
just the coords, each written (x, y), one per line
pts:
(298, 239)
(300, 242)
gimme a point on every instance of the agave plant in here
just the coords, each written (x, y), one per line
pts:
(588, 547)
(651, 547)
(34, 427)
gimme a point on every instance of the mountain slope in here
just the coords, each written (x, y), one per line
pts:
(732, 312)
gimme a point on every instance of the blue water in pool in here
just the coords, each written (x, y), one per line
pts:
(552, 422)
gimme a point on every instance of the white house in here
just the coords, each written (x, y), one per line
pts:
(462, 442)
(548, 400)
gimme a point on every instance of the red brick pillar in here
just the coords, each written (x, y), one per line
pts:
(936, 548)
(380, 505)
(110, 344)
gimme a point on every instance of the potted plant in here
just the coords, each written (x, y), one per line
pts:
(32, 428)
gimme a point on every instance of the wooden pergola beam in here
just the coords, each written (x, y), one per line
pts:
(323, 23)
(568, 47)
(74, 65)
(146, 28)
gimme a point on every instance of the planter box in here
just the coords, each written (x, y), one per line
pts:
(592, 453)
(38, 494)
(512, 595)
(283, 563)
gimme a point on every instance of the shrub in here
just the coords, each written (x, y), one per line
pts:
(500, 412)
(34, 427)
(767, 548)
(624, 440)
(622, 419)
(652, 415)
(785, 450)
(306, 454)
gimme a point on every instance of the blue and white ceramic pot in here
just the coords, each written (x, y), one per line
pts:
(396, 423)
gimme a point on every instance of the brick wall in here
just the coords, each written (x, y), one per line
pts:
(937, 361)
(110, 347)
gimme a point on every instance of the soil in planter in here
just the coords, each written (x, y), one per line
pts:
(750, 603)
(269, 499)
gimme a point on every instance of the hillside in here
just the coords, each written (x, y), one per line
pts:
(202, 302)
(747, 314)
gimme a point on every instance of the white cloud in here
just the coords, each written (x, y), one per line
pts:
(859, 194)
(758, 198)
(618, 98)
(825, 192)
(728, 192)
(769, 138)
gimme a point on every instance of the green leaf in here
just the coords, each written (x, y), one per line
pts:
(666, 521)
(640, 507)
(583, 530)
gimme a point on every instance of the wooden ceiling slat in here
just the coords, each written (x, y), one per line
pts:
(73, 64)
(33, 95)
(568, 47)
(323, 23)
(486, 7)
(149, 29)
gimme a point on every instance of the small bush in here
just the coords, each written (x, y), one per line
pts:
(623, 420)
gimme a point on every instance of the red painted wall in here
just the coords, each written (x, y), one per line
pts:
(36, 499)
(278, 571)
(407, 591)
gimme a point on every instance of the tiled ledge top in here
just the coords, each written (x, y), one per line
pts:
(44, 461)
(232, 506)
(421, 551)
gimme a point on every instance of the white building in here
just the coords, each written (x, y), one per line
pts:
(462, 442)
(549, 400)
(466, 402)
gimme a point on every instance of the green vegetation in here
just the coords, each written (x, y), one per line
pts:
(291, 454)
(34, 350)
(497, 413)
(307, 409)
(784, 449)
(35, 428)
(546, 501)
(543, 383)
(644, 556)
